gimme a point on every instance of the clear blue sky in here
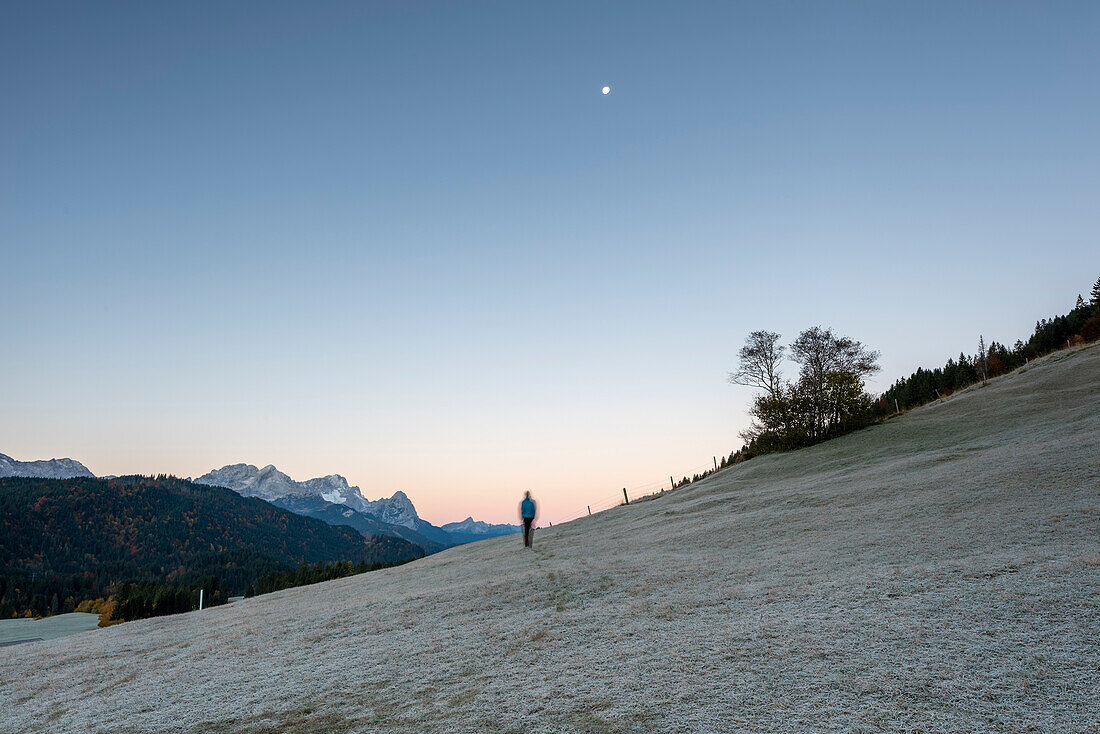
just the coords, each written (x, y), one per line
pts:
(412, 243)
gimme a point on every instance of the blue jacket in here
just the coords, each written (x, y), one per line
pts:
(527, 508)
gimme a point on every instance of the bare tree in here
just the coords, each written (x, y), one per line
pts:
(982, 363)
(759, 363)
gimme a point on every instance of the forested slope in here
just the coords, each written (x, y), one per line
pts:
(63, 541)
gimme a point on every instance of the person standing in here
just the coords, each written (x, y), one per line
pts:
(527, 512)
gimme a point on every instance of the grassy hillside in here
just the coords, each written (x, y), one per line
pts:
(936, 573)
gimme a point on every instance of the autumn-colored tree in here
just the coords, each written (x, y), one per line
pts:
(1090, 331)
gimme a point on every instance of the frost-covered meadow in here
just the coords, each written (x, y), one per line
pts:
(938, 573)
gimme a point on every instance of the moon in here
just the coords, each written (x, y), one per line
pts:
(606, 90)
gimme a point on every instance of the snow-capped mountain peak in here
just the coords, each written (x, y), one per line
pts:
(44, 469)
(398, 510)
(245, 479)
(335, 489)
(269, 484)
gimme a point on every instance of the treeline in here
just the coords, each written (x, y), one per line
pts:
(42, 594)
(305, 575)
(153, 599)
(828, 397)
(129, 600)
(1079, 326)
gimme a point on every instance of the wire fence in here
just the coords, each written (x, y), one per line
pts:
(639, 491)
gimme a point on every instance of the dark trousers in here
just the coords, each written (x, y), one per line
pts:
(527, 531)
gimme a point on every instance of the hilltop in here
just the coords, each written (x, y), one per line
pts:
(937, 573)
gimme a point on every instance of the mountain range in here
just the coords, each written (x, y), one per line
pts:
(329, 498)
(333, 500)
(470, 530)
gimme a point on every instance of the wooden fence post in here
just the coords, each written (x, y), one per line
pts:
(625, 497)
(590, 509)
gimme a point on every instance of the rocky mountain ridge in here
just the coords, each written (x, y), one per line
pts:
(395, 515)
(270, 484)
(43, 469)
(478, 529)
(328, 498)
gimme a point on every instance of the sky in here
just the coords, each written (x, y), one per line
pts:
(412, 243)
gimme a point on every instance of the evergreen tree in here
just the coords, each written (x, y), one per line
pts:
(1096, 294)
